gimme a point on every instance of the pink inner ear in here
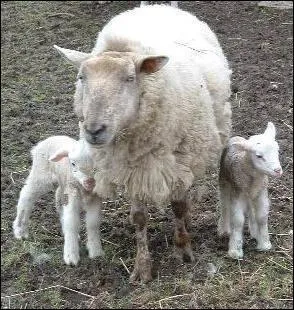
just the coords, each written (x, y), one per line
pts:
(153, 64)
(58, 156)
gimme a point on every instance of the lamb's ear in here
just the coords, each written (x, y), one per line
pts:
(74, 57)
(270, 130)
(151, 64)
(58, 155)
(243, 145)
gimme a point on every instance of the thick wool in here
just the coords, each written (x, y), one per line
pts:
(184, 118)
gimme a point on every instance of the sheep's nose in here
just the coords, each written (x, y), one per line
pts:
(96, 132)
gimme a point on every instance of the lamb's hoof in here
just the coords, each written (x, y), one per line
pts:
(236, 254)
(264, 246)
(96, 252)
(71, 259)
(20, 232)
(140, 276)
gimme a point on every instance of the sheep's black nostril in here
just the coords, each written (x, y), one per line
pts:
(98, 131)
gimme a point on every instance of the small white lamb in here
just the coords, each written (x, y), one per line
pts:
(243, 180)
(64, 161)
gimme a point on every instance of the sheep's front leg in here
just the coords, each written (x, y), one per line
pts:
(142, 268)
(183, 251)
(93, 221)
(262, 211)
(237, 215)
(71, 227)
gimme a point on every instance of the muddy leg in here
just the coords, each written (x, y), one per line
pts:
(142, 269)
(183, 251)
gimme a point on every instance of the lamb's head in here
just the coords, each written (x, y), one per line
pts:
(80, 161)
(264, 151)
(107, 97)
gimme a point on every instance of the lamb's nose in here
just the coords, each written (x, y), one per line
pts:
(278, 171)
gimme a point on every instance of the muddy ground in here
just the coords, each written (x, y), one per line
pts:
(36, 101)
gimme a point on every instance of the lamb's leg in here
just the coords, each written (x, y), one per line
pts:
(262, 211)
(59, 199)
(223, 227)
(33, 189)
(142, 268)
(237, 215)
(71, 227)
(93, 220)
(181, 209)
(253, 229)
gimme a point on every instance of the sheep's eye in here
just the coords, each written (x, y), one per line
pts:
(80, 77)
(259, 156)
(73, 164)
(130, 78)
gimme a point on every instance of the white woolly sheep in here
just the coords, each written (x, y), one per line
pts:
(153, 99)
(243, 180)
(64, 161)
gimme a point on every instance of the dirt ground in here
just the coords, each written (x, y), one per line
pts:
(36, 101)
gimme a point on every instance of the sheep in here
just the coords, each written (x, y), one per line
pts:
(243, 180)
(153, 102)
(65, 161)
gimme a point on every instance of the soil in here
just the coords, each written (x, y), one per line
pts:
(36, 101)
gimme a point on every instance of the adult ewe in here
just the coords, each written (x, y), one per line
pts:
(152, 96)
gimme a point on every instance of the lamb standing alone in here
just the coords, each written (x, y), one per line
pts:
(153, 99)
(243, 180)
(65, 161)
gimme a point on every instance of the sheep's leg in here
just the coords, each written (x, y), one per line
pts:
(223, 227)
(183, 251)
(237, 215)
(262, 211)
(93, 221)
(31, 191)
(71, 227)
(142, 268)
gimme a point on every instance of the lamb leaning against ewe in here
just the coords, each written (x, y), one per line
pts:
(64, 161)
(153, 100)
(243, 181)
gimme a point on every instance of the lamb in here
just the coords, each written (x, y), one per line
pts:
(65, 161)
(243, 180)
(153, 102)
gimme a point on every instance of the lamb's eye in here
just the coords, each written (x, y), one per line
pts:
(73, 164)
(259, 156)
(80, 77)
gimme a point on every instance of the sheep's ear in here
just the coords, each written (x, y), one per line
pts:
(151, 64)
(243, 145)
(74, 57)
(60, 154)
(270, 130)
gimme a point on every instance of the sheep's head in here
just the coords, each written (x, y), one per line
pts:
(264, 151)
(107, 97)
(80, 162)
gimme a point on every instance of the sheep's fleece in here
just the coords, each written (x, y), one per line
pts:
(184, 119)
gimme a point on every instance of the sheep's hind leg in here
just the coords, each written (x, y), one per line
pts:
(238, 210)
(29, 194)
(183, 251)
(223, 227)
(142, 268)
